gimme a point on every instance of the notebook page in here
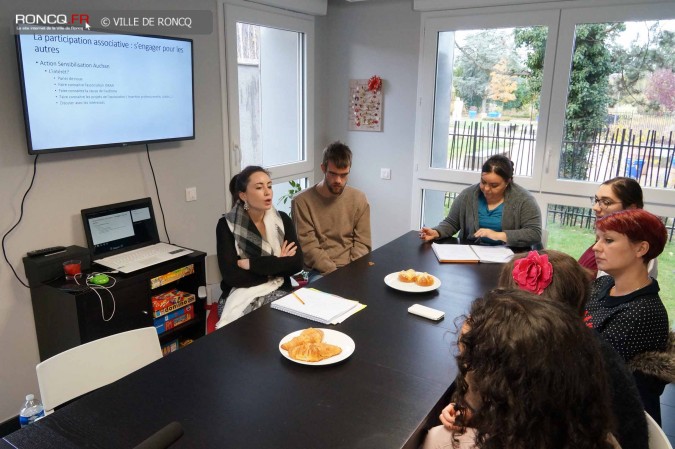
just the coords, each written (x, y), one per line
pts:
(318, 306)
(449, 253)
(493, 254)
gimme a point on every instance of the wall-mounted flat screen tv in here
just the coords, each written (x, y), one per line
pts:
(94, 90)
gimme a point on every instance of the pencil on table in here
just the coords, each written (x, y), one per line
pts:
(299, 298)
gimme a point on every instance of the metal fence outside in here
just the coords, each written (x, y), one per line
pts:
(584, 217)
(643, 155)
(471, 143)
(646, 155)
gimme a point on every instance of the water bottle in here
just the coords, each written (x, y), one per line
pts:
(32, 409)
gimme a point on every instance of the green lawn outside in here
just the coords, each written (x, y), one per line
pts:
(574, 241)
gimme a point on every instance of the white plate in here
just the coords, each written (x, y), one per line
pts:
(392, 281)
(330, 336)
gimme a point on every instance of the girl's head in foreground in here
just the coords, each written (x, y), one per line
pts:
(532, 374)
(549, 273)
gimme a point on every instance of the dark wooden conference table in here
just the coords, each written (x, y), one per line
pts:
(234, 389)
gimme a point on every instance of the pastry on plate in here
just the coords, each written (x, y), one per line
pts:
(424, 279)
(407, 275)
(314, 352)
(310, 335)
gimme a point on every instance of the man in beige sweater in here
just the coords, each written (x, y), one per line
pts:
(332, 219)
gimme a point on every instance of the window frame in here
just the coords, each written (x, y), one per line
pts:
(280, 19)
(427, 81)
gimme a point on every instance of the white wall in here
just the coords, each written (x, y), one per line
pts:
(68, 182)
(357, 41)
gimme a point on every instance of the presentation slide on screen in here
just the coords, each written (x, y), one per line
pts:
(111, 227)
(93, 89)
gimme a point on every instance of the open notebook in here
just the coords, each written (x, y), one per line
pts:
(318, 306)
(448, 253)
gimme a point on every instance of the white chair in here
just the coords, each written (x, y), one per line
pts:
(657, 438)
(92, 365)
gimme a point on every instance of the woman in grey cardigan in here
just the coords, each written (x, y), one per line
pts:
(492, 212)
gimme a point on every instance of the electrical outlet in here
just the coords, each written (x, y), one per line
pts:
(191, 194)
(385, 173)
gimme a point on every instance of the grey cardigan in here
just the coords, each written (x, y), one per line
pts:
(521, 217)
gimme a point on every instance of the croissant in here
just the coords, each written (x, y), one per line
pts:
(310, 335)
(327, 350)
(314, 352)
(407, 275)
(424, 279)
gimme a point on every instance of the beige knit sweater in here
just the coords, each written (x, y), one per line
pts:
(332, 231)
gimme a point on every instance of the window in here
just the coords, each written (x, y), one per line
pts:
(609, 113)
(269, 65)
(479, 99)
(284, 192)
(620, 110)
(439, 206)
(485, 103)
(612, 114)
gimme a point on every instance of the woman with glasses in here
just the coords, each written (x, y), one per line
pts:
(493, 212)
(625, 307)
(616, 194)
(520, 388)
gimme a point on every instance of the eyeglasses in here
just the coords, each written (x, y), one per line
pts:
(603, 203)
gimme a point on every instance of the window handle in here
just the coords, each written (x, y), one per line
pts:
(237, 156)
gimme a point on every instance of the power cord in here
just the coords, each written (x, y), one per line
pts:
(4, 251)
(147, 150)
(95, 287)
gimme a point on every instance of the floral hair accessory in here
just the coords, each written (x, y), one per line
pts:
(533, 273)
(374, 83)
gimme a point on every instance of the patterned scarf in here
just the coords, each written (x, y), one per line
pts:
(249, 244)
(247, 239)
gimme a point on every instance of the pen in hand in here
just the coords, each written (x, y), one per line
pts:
(427, 234)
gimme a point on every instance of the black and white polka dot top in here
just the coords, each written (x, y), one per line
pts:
(632, 324)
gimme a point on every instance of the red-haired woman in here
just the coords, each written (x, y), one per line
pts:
(625, 306)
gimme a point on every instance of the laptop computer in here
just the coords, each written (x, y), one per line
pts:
(124, 237)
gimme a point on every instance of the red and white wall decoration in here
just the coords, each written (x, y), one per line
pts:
(365, 104)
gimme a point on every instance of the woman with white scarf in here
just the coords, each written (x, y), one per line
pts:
(257, 248)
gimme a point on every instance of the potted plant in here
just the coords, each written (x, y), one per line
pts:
(294, 189)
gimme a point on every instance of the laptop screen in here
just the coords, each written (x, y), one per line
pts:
(120, 227)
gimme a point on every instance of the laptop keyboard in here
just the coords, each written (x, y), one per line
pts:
(133, 256)
(146, 256)
(143, 257)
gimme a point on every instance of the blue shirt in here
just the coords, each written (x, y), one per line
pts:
(489, 219)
